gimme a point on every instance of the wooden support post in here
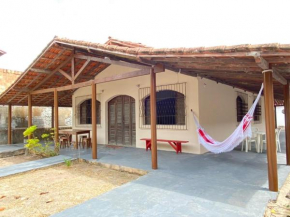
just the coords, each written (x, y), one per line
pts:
(94, 121)
(270, 131)
(9, 124)
(287, 121)
(52, 117)
(29, 112)
(153, 119)
(56, 116)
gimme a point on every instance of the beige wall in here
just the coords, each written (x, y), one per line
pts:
(107, 91)
(217, 106)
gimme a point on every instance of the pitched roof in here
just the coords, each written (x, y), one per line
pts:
(231, 65)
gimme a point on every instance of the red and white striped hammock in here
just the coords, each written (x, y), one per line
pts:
(243, 131)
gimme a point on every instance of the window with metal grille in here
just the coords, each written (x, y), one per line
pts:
(86, 112)
(170, 106)
(242, 108)
(257, 112)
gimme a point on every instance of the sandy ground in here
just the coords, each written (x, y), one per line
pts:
(280, 207)
(8, 161)
(48, 191)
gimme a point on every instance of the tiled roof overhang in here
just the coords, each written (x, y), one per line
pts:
(232, 65)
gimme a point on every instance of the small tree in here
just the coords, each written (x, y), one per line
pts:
(34, 146)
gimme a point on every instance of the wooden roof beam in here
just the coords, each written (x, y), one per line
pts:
(65, 74)
(43, 71)
(53, 72)
(263, 64)
(117, 77)
(82, 68)
(120, 63)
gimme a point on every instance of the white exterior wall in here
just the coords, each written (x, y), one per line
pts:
(217, 109)
(107, 91)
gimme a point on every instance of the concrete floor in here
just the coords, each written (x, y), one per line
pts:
(13, 147)
(228, 184)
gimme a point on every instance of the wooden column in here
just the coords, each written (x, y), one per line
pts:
(153, 119)
(29, 112)
(9, 124)
(56, 116)
(287, 121)
(94, 122)
(52, 117)
(270, 131)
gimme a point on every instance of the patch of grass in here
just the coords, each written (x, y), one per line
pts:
(68, 162)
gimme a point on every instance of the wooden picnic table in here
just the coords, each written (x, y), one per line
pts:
(175, 144)
(70, 132)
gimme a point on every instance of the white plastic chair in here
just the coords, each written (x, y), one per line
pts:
(278, 131)
(277, 135)
(248, 141)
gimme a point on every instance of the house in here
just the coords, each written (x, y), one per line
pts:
(128, 80)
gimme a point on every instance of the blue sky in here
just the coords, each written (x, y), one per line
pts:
(26, 27)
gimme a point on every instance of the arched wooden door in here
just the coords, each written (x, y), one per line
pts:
(122, 123)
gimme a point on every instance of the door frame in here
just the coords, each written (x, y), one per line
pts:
(131, 116)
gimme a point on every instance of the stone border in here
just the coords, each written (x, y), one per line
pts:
(12, 153)
(116, 167)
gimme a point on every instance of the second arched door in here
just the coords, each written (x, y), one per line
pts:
(122, 124)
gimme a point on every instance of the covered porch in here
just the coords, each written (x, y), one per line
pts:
(66, 65)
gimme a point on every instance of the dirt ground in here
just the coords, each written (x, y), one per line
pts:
(280, 207)
(48, 191)
(8, 161)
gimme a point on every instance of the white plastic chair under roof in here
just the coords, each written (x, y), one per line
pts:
(248, 141)
(277, 135)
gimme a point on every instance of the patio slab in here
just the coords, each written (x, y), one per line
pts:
(11, 150)
(228, 184)
(32, 165)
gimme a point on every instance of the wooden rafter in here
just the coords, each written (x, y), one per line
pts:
(53, 72)
(109, 61)
(17, 94)
(82, 68)
(127, 75)
(65, 74)
(263, 64)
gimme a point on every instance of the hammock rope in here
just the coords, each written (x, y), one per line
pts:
(243, 131)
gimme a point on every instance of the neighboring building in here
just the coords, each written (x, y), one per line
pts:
(7, 77)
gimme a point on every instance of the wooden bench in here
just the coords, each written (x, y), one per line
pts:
(175, 144)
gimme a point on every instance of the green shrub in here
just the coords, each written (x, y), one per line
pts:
(68, 162)
(34, 146)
